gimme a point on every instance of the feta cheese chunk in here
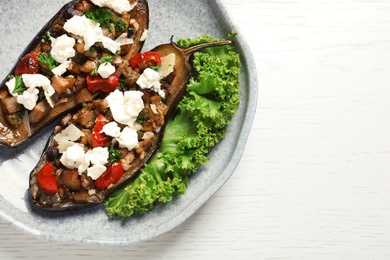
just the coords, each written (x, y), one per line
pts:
(119, 6)
(98, 156)
(150, 79)
(29, 98)
(106, 69)
(125, 107)
(74, 158)
(91, 32)
(38, 80)
(111, 129)
(62, 48)
(128, 138)
(11, 86)
(61, 69)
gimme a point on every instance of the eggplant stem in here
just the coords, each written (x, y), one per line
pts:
(190, 50)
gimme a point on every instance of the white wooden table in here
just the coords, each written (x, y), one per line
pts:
(314, 181)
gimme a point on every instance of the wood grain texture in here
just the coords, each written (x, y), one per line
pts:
(314, 179)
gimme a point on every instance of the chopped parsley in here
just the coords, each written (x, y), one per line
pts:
(104, 16)
(100, 15)
(155, 68)
(41, 94)
(46, 38)
(95, 71)
(19, 86)
(108, 58)
(120, 25)
(122, 83)
(48, 60)
(114, 155)
(141, 118)
(17, 116)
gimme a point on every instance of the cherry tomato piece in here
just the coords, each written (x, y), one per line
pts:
(111, 176)
(27, 65)
(96, 83)
(99, 139)
(46, 179)
(145, 59)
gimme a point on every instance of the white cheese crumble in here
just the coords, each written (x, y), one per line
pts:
(112, 129)
(128, 138)
(98, 156)
(74, 157)
(119, 6)
(38, 80)
(62, 48)
(125, 107)
(106, 69)
(150, 79)
(91, 32)
(29, 97)
(61, 69)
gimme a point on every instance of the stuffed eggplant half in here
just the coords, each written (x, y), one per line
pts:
(82, 52)
(108, 140)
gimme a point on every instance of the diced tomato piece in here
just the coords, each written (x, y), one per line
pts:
(46, 179)
(112, 175)
(99, 139)
(96, 83)
(27, 65)
(145, 59)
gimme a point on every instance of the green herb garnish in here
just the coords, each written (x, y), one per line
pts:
(99, 15)
(114, 155)
(155, 68)
(19, 86)
(41, 94)
(108, 58)
(48, 60)
(141, 118)
(120, 25)
(122, 83)
(17, 116)
(95, 71)
(46, 38)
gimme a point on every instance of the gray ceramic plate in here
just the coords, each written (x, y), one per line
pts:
(20, 20)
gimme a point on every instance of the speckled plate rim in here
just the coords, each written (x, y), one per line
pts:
(240, 136)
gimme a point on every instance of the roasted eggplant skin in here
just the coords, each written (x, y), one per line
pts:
(174, 94)
(11, 135)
